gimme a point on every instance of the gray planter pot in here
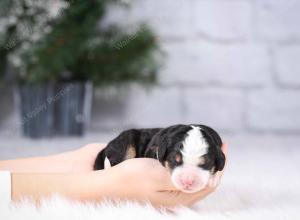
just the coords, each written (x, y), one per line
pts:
(72, 108)
(55, 109)
(35, 111)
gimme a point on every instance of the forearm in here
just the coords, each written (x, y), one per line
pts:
(56, 164)
(74, 161)
(92, 186)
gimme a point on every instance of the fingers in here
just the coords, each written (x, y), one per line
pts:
(225, 149)
(214, 181)
(182, 198)
(163, 176)
(165, 180)
(212, 185)
(151, 170)
(176, 197)
(210, 188)
(158, 177)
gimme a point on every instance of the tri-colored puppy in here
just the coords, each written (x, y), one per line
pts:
(192, 153)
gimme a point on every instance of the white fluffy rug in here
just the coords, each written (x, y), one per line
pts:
(260, 182)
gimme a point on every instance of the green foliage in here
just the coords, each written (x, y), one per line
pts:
(125, 58)
(75, 47)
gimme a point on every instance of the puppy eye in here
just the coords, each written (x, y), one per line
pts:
(178, 146)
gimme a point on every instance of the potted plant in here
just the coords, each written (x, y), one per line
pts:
(57, 69)
(23, 25)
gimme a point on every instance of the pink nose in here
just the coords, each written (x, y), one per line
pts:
(187, 182)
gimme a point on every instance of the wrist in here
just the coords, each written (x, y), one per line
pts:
(80, 186)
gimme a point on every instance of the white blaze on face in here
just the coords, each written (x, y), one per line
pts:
(190, 177)
(194, 146)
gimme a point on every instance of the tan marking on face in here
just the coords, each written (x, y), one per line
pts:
(201, 161)
(130, 153)
(178, 158)
(166, 165)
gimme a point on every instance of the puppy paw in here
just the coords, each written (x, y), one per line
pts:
(106, 163)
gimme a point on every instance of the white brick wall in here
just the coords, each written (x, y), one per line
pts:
(287, 61)
(278, 19)
(170, 18)
(232, 64)
(218, 108)
(222, 20)
(274, 110)
(213, 63)
(154, 107)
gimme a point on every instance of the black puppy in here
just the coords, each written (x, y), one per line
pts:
(192, 153)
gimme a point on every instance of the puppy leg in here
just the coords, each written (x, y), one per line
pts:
(122, 147)
(129, 144)
(130, 153)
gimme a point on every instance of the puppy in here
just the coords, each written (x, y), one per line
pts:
(192, 153)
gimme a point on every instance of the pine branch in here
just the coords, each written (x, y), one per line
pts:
(76, 49)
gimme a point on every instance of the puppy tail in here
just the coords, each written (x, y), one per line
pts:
(99, 163)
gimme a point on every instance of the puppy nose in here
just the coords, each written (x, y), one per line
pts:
(187, 182)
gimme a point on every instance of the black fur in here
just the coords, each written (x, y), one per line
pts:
(115, 151)
(164, 143)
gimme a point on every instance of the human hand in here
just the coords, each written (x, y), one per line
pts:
(141, 179)
(144, 179)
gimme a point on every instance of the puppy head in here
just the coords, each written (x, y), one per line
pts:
(192, 154)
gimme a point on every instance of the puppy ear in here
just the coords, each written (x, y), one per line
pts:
(156, 152)
(157, 147)
(220, 160)
(216, 140)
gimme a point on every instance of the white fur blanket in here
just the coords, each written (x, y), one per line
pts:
(259, 183)
(247, 205)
